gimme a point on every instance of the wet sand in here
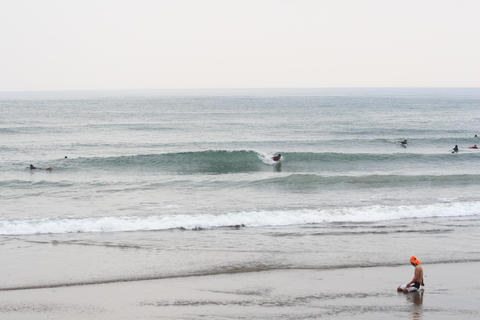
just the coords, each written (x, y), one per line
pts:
(452, 291)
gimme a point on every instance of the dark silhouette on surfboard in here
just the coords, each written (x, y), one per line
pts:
(403, 142)
(32, 167)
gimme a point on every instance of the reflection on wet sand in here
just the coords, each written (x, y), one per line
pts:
(416, 298)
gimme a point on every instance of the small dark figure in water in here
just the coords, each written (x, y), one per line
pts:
(455, 149)
(403, 142)
(476, 136)
(66, 157)
(32, 167)
(277, 157)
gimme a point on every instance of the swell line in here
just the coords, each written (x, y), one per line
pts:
(240, 161)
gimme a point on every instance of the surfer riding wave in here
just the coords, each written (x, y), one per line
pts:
(277, 157)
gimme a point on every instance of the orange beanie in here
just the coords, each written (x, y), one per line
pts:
(414, 260)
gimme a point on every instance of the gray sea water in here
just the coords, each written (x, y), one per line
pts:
(173, 183)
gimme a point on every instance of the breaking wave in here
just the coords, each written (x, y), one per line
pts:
(237, 219)
(240, 161)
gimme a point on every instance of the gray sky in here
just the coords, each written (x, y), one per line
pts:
(126, 44)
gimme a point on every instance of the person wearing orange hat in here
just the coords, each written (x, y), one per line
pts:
(417, 280)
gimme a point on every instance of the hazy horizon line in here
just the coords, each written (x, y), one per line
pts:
(239, 88)
(457, 92)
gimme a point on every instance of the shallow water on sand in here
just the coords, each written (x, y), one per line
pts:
(360, 293)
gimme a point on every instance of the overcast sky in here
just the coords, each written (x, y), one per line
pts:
(140, 44)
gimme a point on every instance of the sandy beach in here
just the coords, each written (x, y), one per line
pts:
(361, 293)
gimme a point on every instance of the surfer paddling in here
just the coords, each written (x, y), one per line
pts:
(32, 167)
(417, 281)
(277, 157)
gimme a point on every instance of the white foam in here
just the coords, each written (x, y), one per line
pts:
(252, 219)
(265, 158)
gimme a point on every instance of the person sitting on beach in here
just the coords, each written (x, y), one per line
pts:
(417, 280)
(277, 157)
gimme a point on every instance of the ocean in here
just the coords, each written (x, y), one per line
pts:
(161, 184)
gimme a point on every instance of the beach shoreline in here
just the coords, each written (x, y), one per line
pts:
(359, 293)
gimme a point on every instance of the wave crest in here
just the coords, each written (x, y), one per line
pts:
(241, 161)
(249, 219)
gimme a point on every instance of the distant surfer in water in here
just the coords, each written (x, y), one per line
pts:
(473, 147)
(32, 167)
(455, 149)
(417, 280)
(277, 157)
(403, 142)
